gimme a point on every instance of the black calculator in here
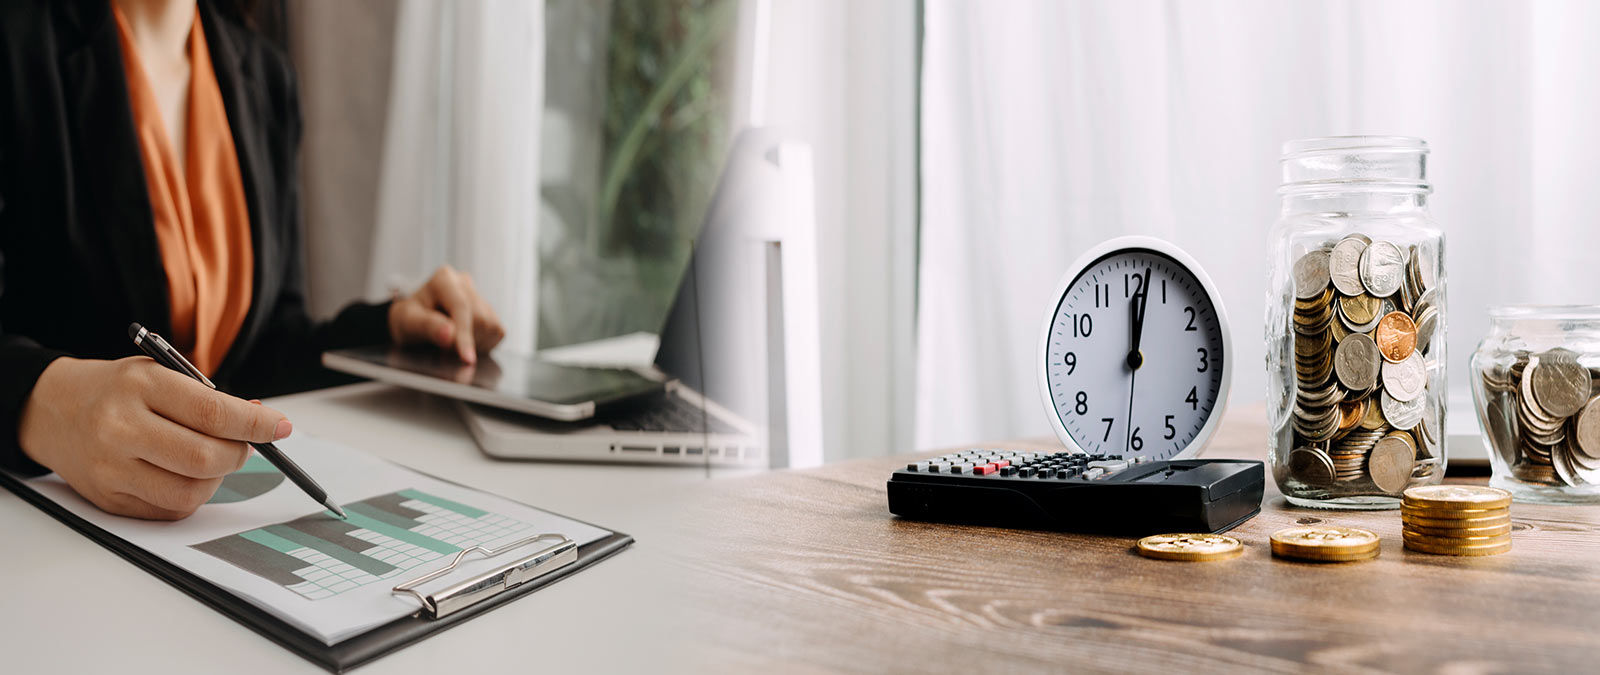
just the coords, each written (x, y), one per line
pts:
(1076, 492)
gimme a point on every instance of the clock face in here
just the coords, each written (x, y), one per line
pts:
(1114, 400)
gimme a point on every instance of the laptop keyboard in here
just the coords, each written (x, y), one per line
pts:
(670, 414)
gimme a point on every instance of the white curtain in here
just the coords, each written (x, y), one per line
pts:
(460, 176)
(1049, 126)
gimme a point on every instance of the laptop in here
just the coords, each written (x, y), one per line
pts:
(720, 355)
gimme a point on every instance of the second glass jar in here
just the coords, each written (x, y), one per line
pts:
(1355, 329)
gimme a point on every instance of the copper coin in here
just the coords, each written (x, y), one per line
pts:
(1396, 336)
(1351, 412)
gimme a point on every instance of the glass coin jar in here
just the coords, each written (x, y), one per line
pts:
(1536, 386)
(1355, 324)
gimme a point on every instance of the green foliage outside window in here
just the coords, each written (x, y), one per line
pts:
(612, 262)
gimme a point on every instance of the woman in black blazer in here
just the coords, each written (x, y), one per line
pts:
(80, 260)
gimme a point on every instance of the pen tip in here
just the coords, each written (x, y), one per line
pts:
(133, 330)
(335, 509)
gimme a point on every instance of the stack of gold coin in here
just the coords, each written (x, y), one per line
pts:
(1456, 520)
(1325, 544)
(1190, 547)
(1542, 412)
(1364, 318)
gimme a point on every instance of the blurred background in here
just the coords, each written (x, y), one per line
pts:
(564, 152)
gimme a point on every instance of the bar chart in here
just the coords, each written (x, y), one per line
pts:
(319, 556)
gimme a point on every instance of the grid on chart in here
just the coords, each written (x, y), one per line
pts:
(325, 576)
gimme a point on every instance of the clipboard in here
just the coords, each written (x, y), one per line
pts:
(540, 566)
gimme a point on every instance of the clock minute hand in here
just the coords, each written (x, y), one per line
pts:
(1137, 306)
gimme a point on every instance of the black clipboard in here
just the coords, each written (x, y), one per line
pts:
(342, 656)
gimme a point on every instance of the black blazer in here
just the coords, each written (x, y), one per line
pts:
(79, 258)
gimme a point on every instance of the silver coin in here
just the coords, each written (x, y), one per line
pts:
(1356, 362)
(1344, 266)
(1403, 415)
(1500, 428)
(1311, 274)
(1421, 272)
(1311, 466)
(1382, 268)
(1587, 428)
(1571, 472)
(1390, 463)
(1534, 418)
(1427, 321)
(1407, 379)
(1560, 385)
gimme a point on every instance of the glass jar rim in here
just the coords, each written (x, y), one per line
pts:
(1558, 312)
(1335, 166)
(1328, 145)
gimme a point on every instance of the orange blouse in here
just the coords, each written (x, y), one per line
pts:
(201, 218)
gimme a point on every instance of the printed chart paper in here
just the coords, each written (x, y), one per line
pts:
(259, 539)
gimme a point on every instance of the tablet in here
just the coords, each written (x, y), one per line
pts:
(504, 380)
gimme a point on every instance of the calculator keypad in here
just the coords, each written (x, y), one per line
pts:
(1006, 463)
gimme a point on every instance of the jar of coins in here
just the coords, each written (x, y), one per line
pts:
(1536, 383)
(1355, 324)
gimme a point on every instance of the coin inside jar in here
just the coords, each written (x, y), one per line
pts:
(1344, 265)
(1396, 336)
(1587, 428)
(1360, 309)
(1407, 379)
(1382, 268)
(1560, 385)
(1390, 462)
(1311, 466)
(1356, 362)
(1311, 274)
(1190, 547)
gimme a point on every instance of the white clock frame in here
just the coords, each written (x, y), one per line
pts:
(1178, 255)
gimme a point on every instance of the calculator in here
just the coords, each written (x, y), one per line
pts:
(1078, 492)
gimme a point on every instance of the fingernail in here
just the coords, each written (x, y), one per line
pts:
(444, 333)
(256, 401)
(469, 356)
(282, 431)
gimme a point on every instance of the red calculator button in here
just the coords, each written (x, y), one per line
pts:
(984, 469)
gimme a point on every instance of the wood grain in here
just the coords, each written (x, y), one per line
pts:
(807, 569)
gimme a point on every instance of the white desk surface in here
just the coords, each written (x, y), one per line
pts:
(68, 605)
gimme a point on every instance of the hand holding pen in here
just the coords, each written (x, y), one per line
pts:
(158, 349)
(136, 438)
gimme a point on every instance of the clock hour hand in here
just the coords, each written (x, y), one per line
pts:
(1137, 306)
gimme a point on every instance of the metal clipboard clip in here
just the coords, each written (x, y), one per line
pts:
(499, 580)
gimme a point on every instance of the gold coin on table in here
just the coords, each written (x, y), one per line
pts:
(1305, 556)
(1190, 547)
(1409, 519)
(1466, 516)
(1487, 531)
(1457, 497)
(1473, 542)
(1325, 543)
(1492, 549)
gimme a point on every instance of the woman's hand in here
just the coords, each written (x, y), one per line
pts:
(137, 439)
(448, 312)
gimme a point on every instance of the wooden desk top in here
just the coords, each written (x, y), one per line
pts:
(809, 568)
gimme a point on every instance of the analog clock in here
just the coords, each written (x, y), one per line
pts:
(1136, 352)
